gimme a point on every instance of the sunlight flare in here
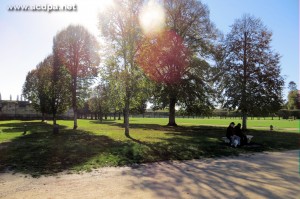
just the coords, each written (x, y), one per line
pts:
(152, 18)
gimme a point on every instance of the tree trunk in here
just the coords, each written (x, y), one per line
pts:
(43, 117)
(244, 121)
(244, 94)
(75, 120)
(55, 126)
(74, 100)
(172, 111)
(54, 118)
(100, 116)
(126, 116)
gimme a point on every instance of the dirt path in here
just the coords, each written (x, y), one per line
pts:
(267, 175)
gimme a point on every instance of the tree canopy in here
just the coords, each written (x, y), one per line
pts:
(253, 82)
(78, 50)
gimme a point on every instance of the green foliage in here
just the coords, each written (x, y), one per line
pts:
(194, 94)
(47, 87)
(293, 100)
(293, 97)
(120, 29)
(253, 83)
(76, 49)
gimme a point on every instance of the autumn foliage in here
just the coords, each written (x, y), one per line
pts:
(164, 58)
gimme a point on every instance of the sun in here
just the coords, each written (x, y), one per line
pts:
(152, 18)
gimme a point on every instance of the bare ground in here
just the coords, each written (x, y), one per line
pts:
(265, 175)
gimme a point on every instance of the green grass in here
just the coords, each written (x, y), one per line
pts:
(96, 144)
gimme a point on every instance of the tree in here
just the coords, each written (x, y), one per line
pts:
(60, 92)
(35, 88)
(120, 29)
(47, 88)
(165, 59)
(98, 103)
(253, 81)
(111, 76)
(77, 49)
(293, 96)
(181, 55)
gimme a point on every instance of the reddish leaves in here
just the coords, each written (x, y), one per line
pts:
(164, 58)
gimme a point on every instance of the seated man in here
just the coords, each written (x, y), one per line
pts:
(238, 132)
(230, 131)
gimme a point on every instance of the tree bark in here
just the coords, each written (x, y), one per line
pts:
(244, 95)
(43, 117)
(244, 121)
(54, 118)
(126, 117)
(74, 101)
(75, 120)
(172, 111)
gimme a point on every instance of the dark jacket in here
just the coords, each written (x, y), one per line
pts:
(229, 132)
(238, 131)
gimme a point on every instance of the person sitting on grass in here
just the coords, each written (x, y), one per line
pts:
(230, 132)
(238, 132)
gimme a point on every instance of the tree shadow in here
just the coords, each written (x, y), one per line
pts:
(108, 121)
(196, 142)
(143, 126)
(18, 127)
(43, 153)
(40, 152)
(184, 144)
(240, 177)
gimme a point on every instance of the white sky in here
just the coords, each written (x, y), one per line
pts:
(26, 36)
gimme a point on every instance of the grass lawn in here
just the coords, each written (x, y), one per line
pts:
(96, 144)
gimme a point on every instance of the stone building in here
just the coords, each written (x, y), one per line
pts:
(10, 109)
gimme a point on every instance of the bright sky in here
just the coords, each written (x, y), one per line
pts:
(26, 36)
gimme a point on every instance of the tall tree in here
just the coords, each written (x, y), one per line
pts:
(98, 103)
(293, 96)
(119, 26)
(35, 88)
(165, 59)
(111, 76)
(78, 50)
(60, 92)
(253, 80)
(183, 58)
(47, 88)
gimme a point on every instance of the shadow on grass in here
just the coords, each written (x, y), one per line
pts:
(42, 153)
(18, 127)
(206, 141)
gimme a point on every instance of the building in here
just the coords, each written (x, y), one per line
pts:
(10, 109)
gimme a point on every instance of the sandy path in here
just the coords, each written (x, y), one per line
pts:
(267, 175)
